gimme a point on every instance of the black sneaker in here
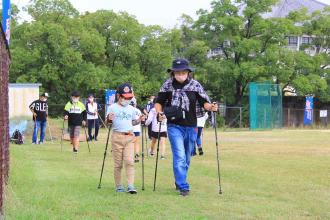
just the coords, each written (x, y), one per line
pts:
(95, 139)
(184, 193)
(75, 150)
(200, 151)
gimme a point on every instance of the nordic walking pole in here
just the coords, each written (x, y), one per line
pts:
(89, 149)
(50, 133)
(146, 140)
(217, 149)
(105, 155)
(101, 120)
(142, 157)
(62, 136)
(160, 125)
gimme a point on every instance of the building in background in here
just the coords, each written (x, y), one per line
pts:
(21, 95)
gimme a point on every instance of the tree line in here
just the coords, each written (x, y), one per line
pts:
(66, 50)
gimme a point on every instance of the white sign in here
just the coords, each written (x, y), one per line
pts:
(323, 113)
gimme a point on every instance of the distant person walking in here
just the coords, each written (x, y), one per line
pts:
(92, 108)
(39, 109)
(75, 113)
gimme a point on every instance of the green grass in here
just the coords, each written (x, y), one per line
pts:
(265, 175)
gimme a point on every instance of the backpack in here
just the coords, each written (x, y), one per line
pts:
(17, 137)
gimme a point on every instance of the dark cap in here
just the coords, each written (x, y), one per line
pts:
(179, 65)
(90, 95)
(125, 90)
(75, 94)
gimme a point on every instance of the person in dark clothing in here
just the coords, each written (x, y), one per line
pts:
(75, 113)
(39, 109)
(150, 105)
(92, 109)
(181, 100)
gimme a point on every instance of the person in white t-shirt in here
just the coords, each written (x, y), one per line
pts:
(136, 131)
(92, 109)
(200, 125)
(152, 119)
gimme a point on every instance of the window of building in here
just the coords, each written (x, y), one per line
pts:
(293, 41)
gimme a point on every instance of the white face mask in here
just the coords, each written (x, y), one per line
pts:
(124, 102)
(75, 100)
(181, 78)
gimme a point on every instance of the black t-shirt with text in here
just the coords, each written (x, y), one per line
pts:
(41, 108)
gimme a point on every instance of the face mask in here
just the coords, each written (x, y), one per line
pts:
(75, 100)
(125, 102)
(181, 78)
(45, 100)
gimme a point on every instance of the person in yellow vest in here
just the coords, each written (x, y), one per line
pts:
(75, 113)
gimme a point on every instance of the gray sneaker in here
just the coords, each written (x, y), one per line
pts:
(120, 188)
(131, 189)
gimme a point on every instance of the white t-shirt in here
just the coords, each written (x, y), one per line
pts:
(92, 108)
(124, 116)
(137, 128)
(152, 118)
(201, 121)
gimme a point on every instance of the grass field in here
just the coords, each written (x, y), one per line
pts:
(265, 175)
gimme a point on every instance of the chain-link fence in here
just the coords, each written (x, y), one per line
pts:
(236, 116)
(4, 114)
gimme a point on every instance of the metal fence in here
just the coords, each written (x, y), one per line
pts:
(4, 114)
(237, 117)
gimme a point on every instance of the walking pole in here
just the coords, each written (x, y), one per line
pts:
(101, 120)
(146, 140)
(89, 149)
(105, 154)
(50, 133)
(62, 136)
(160, 125)
(217, 149)
(142, 157)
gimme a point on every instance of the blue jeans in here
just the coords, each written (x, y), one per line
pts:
(42, 126)
(182, 139)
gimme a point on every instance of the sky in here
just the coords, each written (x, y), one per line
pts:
(162, 12)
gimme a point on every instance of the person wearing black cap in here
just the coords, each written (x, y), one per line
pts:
(123, 118)
(39, 109)
(75, 113)
(92, 109)
(181, 101)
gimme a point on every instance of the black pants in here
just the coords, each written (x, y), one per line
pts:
(90, 123)
(149, 131)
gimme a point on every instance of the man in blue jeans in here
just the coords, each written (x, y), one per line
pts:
(39, 109)
(181, 100)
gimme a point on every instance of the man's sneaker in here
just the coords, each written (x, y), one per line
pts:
(162, 157)
(95, 139)
(151, 153)
(120, 188)
(34, 143)
(193, 153)
(200, 151)
(184, 193)
(136, 158)
(41, 142)
(131, 189)
(75, 150)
